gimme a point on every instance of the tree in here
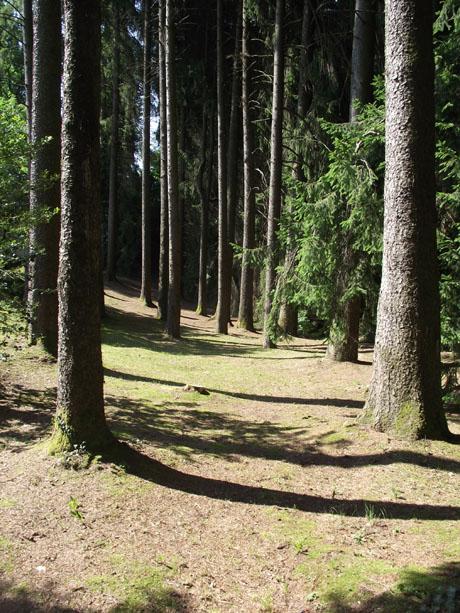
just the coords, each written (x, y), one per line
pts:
(174, 212)
(163, 263)
(112, 230)
(146, 289)
(246, 307)
(344, 332)
(45, 168)
(276, 160)
(405, 392)
(80, 414)
(223, 260)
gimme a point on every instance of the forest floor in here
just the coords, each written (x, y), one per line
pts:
(265, 494)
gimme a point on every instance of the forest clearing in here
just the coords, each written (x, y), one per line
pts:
(267, 494)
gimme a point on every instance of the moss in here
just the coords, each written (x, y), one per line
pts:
(136, 586)
(7, 503)
(409, 421)
(333, 438)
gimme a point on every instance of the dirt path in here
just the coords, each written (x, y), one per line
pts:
(265, 494)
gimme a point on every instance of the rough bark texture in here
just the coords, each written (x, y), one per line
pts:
(146, 287)
(45, 169)
(223, 262)
(246, 306)
(27, 38)
(164, 240)
(174, 290)
(112, 229)
(405, 392)
(343, 343)
(276, 160)
(80, 404)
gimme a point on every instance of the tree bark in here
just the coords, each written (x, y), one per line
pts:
(80, 405)
(405, 391)
(146, 288)
(27, 39)
(174, 290)
(164, 241)
(246, 306)
(223, 260)
(45, 169)
(276, 160)
(343, 343)
(112, 230)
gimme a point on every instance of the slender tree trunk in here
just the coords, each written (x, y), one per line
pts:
(163, 267)
(344, 333)
(234, 147)
(114, 146)
(146, 288)
(174, 290)
(223, 263)
(80, 403)
(405, 391)
(276, 159)
(45, 169)
(246, 308)
(27, 50)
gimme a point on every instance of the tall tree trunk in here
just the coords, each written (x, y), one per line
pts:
(146, 288)
(223, 264)
(27, 39)
(174, 290)
(164, 241)
(80, 403)
(405, 391)
(114, 146)
(344, 333)
(246, 308)
(233, 147)
(45, 169)
(276, 160)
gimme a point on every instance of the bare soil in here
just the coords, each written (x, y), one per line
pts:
(247, 483)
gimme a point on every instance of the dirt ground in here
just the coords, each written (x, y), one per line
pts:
(264, 492)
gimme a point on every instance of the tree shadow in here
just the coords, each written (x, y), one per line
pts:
(145, 467)
(430, 591)
(20, 598)
(192, 431)
(25, 413)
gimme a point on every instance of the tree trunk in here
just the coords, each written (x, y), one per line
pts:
(343, 343)
(174, 290)
(146, 288)
(246, 306)
(80, 404)
(276, 160)
(223, 260)
(405, 391)
(112, 230)
(27, 51)
(163, 265)
(233, 148)
(45, 169)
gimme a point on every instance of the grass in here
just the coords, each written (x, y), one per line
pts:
(6, 555)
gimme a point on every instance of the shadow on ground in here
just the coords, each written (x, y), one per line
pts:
(429, 591)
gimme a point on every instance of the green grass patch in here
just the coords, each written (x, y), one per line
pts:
(6, 555)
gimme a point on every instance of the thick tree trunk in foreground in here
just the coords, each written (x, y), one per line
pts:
(112, 229)
(344, 334)
(174, 290)
(405, 392)
(224, 278)
(45, 168)
(276, 160)
(246, 306)
(146, 288)
(80, 403)
(164, 241)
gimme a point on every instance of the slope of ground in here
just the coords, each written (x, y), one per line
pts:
(265, 493)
